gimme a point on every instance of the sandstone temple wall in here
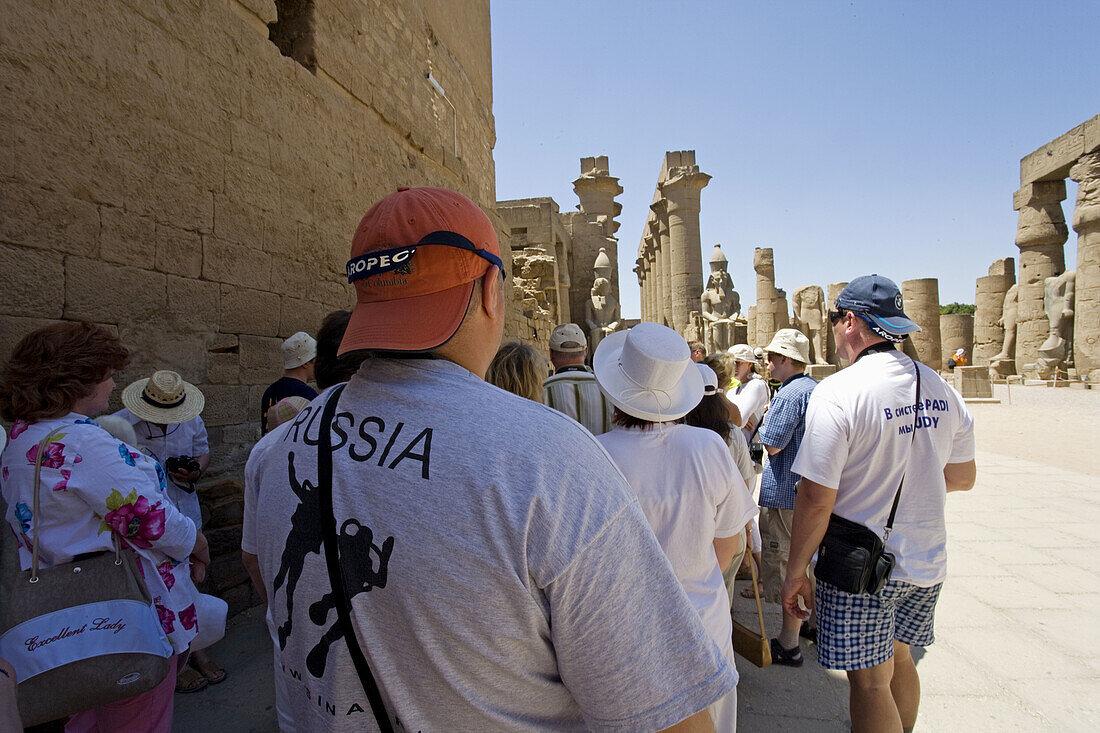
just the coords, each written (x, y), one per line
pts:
(167, 171)
(555, 253)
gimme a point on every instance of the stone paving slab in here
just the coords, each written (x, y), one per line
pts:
(1017, 646)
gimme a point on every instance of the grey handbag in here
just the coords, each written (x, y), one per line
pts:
(79, 634)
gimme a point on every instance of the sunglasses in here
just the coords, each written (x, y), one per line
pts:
(837, 316)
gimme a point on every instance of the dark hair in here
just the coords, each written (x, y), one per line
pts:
(330, 369)
(623, 420)
(53, 367)
(711, 413)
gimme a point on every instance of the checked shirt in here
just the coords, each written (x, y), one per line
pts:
(783, 428)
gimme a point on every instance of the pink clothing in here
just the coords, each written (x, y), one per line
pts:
(149, 712)
(92, 487)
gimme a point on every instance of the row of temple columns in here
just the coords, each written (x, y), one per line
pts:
(1041, 235)
(670, 263)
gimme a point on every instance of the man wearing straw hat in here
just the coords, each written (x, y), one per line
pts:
(497, 570)
(781, 434)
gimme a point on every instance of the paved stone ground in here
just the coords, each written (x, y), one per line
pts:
(1017, 647)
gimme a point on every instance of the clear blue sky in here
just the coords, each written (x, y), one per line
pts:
(850, 137)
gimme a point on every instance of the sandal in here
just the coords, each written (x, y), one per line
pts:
(189, 680)
(747, 592)
(786, 657)
(211, 671)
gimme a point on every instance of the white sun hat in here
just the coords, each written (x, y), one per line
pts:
(299, 349)
(645, 372)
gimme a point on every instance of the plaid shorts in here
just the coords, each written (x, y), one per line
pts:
(858, 631)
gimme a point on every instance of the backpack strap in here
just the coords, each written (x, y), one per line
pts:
(332, 561)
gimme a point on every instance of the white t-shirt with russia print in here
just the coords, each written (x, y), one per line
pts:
(859, 440)
(503, 576)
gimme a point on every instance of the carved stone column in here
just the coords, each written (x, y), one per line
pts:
(639, 270)
(1040, 234)
(660, 207)
(1086, 222)
(922, 305)
(989, 298)
(767, 297)
(682, 194)
(956, 332)
(650, 279)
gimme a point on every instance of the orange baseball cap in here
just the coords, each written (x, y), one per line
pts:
(414, 260)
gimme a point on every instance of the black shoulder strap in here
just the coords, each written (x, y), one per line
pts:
(332, 560)
(916, 422)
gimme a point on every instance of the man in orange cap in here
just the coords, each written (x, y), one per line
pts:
(492, 564)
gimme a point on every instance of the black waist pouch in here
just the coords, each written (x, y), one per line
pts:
(852, 558)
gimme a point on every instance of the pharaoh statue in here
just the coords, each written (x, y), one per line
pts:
(1057, 351)
(601, 313)
(720, 305)
(810, 318)
(1004, 364)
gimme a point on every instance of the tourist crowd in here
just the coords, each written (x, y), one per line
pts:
(451, 534)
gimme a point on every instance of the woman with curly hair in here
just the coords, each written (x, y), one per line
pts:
(519, 369)
(93, 487)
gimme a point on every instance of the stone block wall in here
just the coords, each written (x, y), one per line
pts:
(167, 171)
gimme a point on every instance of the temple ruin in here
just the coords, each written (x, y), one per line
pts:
(1049, 321)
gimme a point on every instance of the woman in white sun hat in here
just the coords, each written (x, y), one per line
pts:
(686, 483)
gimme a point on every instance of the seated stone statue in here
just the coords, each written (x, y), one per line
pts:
(601, 313)
(720, 309)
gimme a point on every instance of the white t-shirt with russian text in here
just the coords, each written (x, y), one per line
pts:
(503, 576)
(859, 437)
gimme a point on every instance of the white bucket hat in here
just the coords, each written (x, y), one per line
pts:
(710, 379)
(163, 398)
(790, 343)
(299, 349)
(645, 372)
(742, 352)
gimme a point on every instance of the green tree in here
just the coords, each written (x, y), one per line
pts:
(957, 308)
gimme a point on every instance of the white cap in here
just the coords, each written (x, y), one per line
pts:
(299, 349)
(710, 379)
(742, 352)
(568, 338)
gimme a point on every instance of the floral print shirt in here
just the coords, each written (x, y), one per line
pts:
(94, 486)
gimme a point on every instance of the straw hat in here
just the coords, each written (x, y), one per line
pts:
(284, 410)
(647, 372)
(163, 398)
